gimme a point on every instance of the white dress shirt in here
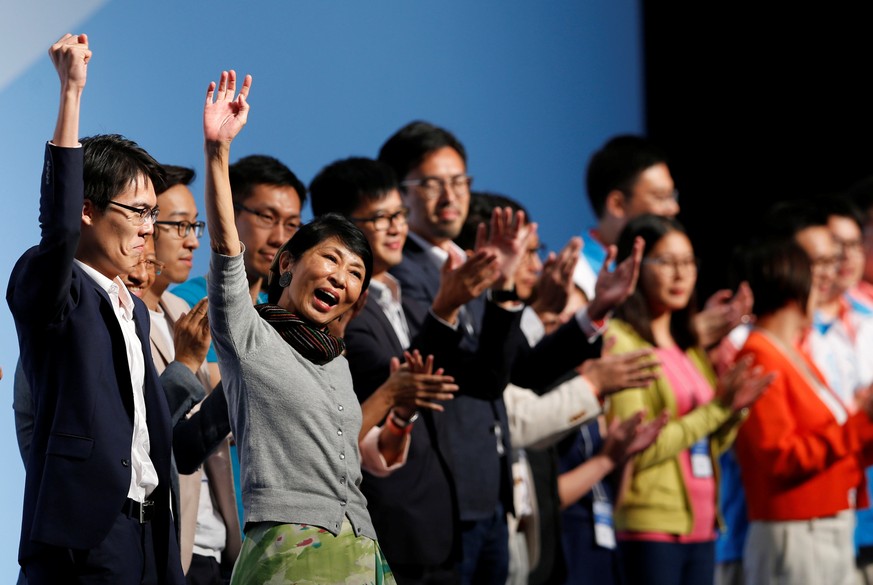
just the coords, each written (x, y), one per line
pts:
(143, 476)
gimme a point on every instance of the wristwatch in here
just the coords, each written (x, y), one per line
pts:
(402, 422)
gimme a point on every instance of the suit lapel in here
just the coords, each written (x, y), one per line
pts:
(378, 322)
(158, 343)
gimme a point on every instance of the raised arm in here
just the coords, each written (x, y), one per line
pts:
(40, 283)
(223, 117)
(70, 56)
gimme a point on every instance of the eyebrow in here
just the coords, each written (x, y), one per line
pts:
(271, 209)
(347, 255)
(183, 213)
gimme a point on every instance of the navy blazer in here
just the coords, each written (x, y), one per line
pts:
(413, 509)
(483, 478)
(73, 354)
(474, 428)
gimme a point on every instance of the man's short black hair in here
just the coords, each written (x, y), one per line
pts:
(259, 169)
(617, 166)
(861, 194)
(839, 206)
(175, 175)
(786, 218)
(342, 186)
(411, 144)
(112, 164)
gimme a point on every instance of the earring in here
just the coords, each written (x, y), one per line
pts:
(285, 279)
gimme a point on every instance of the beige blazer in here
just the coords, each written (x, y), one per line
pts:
(217, 466)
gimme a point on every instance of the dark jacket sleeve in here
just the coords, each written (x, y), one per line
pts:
(39, 290)
(540, 366)
(196, 437)
(183, 390)
(483, 373)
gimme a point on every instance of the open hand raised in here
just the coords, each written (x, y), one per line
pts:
(225, 115)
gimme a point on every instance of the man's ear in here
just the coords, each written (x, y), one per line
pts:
(89, 210)
(615, 203)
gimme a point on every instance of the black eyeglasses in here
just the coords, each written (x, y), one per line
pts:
(433, 187)
(268, 221)
(183, 228)
(382, 222)
(143, 214)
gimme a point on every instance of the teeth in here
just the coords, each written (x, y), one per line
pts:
(328, 297)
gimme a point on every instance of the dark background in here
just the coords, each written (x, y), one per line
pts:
(753, 108)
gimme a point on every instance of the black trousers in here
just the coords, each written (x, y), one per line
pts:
(126, 556)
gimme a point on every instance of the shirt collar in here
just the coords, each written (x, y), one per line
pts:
(385, 293)
(114, 287)
(437, 255)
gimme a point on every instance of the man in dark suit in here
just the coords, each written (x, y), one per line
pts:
(97, 491)
(431, 165)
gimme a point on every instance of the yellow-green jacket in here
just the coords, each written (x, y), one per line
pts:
(655, 499)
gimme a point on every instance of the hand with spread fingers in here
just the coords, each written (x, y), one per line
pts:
(742, 385)
(613, 287)
(415, 384)
(191, 336)
(462, 280)
(226, 113)
(556, 281)
(507, 238)
(626, 438)
(614, 373)
(722, 312)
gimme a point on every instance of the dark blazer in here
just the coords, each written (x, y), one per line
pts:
(473, 427)
(73, 355)
(413, 509)
(482, 477)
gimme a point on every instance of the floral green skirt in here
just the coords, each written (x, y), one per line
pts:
(300, 553)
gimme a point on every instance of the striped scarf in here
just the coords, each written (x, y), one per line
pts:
(313, 343)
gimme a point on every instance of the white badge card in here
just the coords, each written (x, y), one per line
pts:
(701, 462)
(604, 528)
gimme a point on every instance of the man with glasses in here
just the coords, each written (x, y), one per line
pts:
(210, 535)
(267, 198)
(431, 165)
(97, 493)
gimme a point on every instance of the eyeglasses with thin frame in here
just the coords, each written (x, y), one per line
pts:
(433, 187)
(268, 221)
(381, 223)
(143, 214)
(183, 228)
(153, 265)
(677, 265)
(849, 246)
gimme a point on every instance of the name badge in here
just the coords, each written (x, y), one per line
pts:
(701, 462)
(604, 527)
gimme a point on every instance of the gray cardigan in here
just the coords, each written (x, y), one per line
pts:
(295, 423)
